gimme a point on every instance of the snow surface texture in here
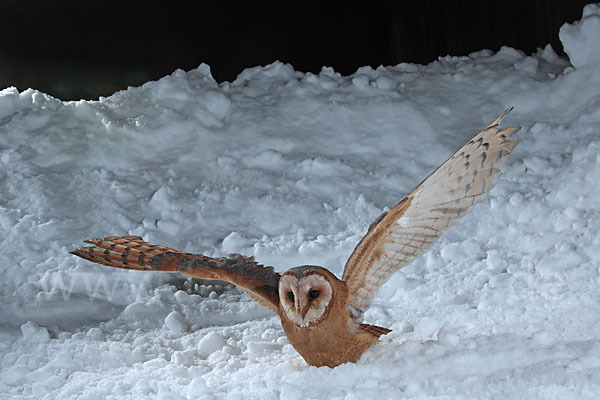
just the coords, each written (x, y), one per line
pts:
(292, 168)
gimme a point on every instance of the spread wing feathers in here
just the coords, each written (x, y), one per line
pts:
(420, 218)
(131, 252)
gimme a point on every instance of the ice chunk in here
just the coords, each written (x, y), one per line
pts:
(361, 81)
(183, 357)
(64, 360)
(197, 388)
(168, 226)
(216, 103)
(175, 322)
(234, 242)
(427, 328)
(384, 83)
(210, 343)
(31, 331)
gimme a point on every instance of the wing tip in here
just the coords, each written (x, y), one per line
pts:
(509, 145)
(507, 132)
(83, 252)
(76, 252)
(498, 120)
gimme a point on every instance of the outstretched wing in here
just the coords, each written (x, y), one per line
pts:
(131, 252)
(397, 238)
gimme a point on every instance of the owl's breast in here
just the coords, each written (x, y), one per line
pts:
(329, 343)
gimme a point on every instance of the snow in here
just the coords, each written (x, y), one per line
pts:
(175, 322)
(580, 39)
(292, 168)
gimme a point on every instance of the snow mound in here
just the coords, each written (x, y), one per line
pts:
(580, 39)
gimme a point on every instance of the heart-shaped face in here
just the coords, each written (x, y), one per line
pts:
(305, 299)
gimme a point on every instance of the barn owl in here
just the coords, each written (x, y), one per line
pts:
(320, 313)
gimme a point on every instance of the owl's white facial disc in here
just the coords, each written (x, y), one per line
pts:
(305, 300)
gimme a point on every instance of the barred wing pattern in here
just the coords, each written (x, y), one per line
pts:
(131, 252)
(418, 220)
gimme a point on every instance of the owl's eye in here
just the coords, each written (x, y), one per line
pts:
(314, 294)
(291, 295)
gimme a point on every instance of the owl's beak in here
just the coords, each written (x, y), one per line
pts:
(301, 309)
(304, 311)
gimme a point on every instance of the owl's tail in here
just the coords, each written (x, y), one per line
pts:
(131, 252)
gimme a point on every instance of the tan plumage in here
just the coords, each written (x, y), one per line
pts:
(321, 314)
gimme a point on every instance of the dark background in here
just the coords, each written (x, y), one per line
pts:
(76, 49)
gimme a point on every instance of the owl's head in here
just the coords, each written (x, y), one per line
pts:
(305, 294)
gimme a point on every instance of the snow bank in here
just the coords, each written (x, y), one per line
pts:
(580, 39)
(292, 168)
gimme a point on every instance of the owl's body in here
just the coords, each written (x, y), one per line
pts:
(320, 313)
(335, 338)
(331, 343)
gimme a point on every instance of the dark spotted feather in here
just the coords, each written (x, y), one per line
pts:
(131, 252)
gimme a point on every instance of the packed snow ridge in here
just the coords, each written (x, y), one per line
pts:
(291, 168)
